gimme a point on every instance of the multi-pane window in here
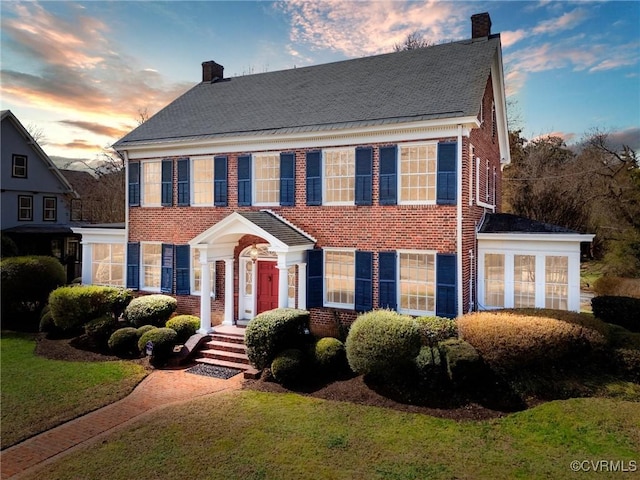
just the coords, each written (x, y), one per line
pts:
(25, 207)
(151, 183)
(524, 281)
(107, 264)
(76, 210)
(19, 166)
(151, 255)
(339, 176)
(418, 175)
(267, 178)
(494, 280)
(291, 277)
(339, 273)
(49, 209)
(202, 181)
(556, 282)
(196, 268)
(417, 282)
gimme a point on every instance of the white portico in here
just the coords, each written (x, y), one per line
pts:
(265, 270)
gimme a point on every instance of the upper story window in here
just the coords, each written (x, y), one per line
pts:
(25, 208)
(76, 210)
(49, 209)
(19, 166)
(418, 165)
(151, 183)
(202, 181)
(267, 178)
(339, 176)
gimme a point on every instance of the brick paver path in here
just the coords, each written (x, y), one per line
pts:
(159, 389)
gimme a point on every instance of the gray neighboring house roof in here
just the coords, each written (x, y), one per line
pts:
(441, 81)
(276, 227)
(509, 223)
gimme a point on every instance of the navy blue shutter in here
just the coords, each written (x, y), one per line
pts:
(183, 264)
(244, 181)
(314, 178)
(388, 175)
(364, 281)
(387, 280)
(364, 167)
(167, 183)
(447, 181)
(134, 184)
(133, 265)
(446, 302)
(220, 181)
(166, 279)
(183, 182)
(315, 278)
(287, 179)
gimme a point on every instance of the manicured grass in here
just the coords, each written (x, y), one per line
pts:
(256, 435)
(38, 393)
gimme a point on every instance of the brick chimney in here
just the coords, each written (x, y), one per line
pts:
(480, 25)
(212, 71)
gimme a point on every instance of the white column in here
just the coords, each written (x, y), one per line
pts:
(205, 295)
(302, 286)
(228, 292)
(283, 287)
(87, 258)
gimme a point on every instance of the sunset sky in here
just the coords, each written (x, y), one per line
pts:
(82, 71)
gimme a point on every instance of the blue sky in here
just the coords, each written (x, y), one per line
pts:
(82, 71)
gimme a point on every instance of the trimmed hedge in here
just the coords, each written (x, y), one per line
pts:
(184, 325)
(627, 362)
(124, 342)
(144, 329)
(271, 332)
(617, 287)
(623, 311)
(436, 329)
(463, 363)
(150, 310)
(428, 363)
(381, 341)
(330, 355)
(72, 307)
(100, 329)
(163, 339)
(288, 367)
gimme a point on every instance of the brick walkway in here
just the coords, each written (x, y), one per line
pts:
(159, 389)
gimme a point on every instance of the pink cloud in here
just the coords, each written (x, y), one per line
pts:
(509, 38)
(566, 21)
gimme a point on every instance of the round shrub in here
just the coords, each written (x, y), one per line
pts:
(330, 355)
(163, 339)
(124, 342)
(150, 309)
(46, 322)
(184, 325)
(100, 329)
(509, 341)
(463, 364)
(436, 329)
(274, 331)
(627, 361)
(144, 329)
(288, 366)
(382, 341)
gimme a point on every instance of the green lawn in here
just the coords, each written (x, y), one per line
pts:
(38, 393)
(256, 435)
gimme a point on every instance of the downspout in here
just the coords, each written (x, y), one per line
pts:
(460, 287)
(126, 213)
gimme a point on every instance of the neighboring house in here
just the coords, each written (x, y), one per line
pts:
(337, 188)
(37, 200)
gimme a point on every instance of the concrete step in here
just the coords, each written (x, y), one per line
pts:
(224, 363)
(226, 346)
(229, 338)
(224, 355)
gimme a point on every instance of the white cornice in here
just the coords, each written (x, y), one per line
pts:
(537, 237)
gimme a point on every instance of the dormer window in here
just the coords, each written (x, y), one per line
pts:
(19, 166)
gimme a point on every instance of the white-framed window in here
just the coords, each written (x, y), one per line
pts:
(339, 176)
(151, 176)
(266, 171)
(25, 208)
(202, 181)
(556, 270)
(524, 281)
(418, 173)
(107, 264)
(19, 166)
(49, 209)
(151, 266)
(291, 278)
(494, 280)
(417, 282)
(196, 274)
(339, 278)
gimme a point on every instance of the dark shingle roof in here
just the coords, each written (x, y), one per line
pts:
(276, 227)
(442, 81)
(508, 223)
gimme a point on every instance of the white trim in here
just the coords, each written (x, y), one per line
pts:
(459, 253)
(537, 237)
(499, 98)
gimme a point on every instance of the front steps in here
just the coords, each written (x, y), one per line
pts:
(226, 348)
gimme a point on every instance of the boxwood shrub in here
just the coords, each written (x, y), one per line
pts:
(124, 342)
(274, 331)
(100, 329)
(623, 311)
(428, 363)
(184, 325)
(288, 366)
(72, 307)
(144, 329)
(463, 364)
(150, 310)
(381, 341)
(436, 329)
(163, 339)
(329, 355)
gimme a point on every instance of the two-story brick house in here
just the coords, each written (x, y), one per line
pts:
(339, 188)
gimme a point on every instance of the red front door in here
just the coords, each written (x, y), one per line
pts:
(267, 286)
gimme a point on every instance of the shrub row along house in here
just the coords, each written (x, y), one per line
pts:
(337, 188)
